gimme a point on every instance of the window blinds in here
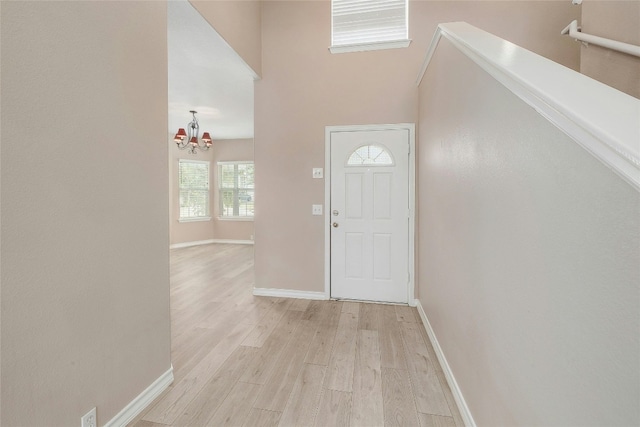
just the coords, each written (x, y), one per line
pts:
(368, 21)
(193, 179)
(236, 194)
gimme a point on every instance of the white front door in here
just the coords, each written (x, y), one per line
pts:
(369, 215)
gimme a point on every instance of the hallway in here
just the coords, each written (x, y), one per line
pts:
(245, 360)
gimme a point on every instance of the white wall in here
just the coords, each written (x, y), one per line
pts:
(85, 238)
(529, 265)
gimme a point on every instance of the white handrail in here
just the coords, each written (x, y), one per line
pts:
(573, 31)
(601, 119)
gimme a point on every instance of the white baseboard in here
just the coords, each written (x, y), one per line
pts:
(139, 404)
(189, 244)
(288, 293)
(235, 242)
(210, 241)
(453, 385)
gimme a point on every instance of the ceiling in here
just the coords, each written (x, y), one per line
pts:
(206, 75)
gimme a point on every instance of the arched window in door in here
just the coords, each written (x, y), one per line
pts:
(370, 155)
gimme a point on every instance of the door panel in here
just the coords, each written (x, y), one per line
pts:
(369, 234)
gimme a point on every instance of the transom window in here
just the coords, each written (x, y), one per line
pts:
(370, 155)
(358, 25)
(236, 191)
(193, 182)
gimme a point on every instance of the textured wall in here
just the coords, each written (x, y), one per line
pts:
(85, 258)
(529, 258)
(305, 88)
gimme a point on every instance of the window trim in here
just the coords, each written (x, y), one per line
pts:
(364, 47)
(219, 215)
(195, 218)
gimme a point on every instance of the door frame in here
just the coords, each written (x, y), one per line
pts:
(411, 127)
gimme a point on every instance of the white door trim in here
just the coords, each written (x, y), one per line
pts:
(411, 127)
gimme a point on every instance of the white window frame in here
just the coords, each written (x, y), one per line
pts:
(208, 203)
(236, 189)
(376, 45)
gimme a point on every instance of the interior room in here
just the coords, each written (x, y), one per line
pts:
(238, 217)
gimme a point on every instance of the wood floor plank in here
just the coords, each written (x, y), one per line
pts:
(341, 364)
(430, 398)
(405, 313)
(302, 406)
(369, 317)
(261, 366)
(453, 407)
(173, 403)
(314, 311)
(399, 406)
(262, 418)
(320, 349)
(391, 347)
(190, 349)
(299, 304)
(367, 407)
(235, 409)
(335, 409)
(331, 312)
(213, 312)
(262, 331)
(275, 392)
(428, 420)
(350, 307)
(143, 423)
(205, 404)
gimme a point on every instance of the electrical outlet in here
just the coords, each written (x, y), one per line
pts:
(317, 172)
(89, 419)
(316, 209)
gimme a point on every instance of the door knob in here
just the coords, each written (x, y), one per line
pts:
(335, 225)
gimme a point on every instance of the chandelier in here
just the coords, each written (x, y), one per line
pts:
(190, 139)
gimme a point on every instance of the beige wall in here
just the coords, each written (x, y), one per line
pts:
(617, 20)
(305, 88)
(239, 24)
(85, 260)
(529, 250)
(184, 232)
(227, 151)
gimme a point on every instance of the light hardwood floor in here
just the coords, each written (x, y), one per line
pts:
(242, 360)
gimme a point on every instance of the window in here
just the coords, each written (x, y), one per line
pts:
(370, 155)
(193, 181)
(236, 190)
(358, 25)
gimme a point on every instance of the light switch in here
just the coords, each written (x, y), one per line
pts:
(316, 209)
(317, 172)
